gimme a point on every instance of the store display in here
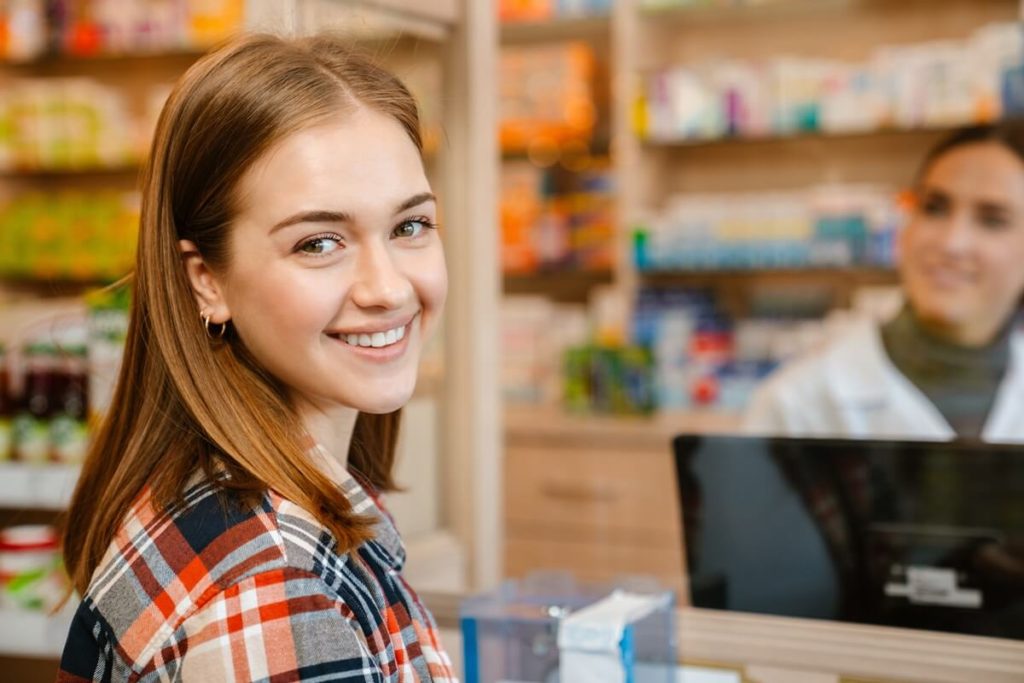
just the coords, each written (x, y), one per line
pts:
(546, 10)
(828, 226)
(64, 374)
(88, 28)
(31, 573)
(933, 84)
(107, 330)
(69, 428)
(535, 334)
(72, 124)
(546, 99)
(680, 350)
(37, 405)
(6, 408)
(611, 380)
(556, 219)
(23, 33)
(71, 235)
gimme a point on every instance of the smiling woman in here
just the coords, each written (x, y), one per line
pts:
(226, 525)
(951, 364)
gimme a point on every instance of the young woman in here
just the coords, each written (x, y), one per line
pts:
(951, 364)
(226, 525)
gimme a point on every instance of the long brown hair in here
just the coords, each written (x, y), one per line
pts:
(183, 402)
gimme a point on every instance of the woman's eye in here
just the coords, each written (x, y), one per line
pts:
(934, 206)
(993, 220)
(412, 228)
(320, 245)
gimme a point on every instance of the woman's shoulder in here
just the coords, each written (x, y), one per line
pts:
(165, 563)
(847, 360)
(845, 351)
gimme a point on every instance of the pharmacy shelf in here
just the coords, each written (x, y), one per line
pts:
(71, 172)
(865, 275)
(697, 13)
(49, 288)
(810, 137)
(593, 29)
(781, 291)
(560, 285)
(34, 634)
(37, 487)
(52, 60)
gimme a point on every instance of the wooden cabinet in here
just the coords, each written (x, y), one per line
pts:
(595, 497)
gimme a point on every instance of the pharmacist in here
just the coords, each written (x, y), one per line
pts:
(951, 363)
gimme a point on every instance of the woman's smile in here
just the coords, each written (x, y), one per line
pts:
(379, 343)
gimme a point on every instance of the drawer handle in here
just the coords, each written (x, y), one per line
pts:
(577, 493)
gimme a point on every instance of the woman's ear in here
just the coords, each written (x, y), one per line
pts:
(206, 287)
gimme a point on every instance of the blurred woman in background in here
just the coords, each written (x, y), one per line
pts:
(949, 365)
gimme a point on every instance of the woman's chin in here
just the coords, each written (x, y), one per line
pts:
(384, 404)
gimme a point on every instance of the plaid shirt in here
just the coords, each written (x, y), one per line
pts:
(207, 593)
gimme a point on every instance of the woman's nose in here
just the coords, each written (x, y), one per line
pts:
(379, 282)
(957, 233)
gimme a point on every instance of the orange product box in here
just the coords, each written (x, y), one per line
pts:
(547, 96)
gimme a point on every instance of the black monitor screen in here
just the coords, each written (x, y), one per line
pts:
(914, 534)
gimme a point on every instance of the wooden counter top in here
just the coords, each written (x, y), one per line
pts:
(774, 649)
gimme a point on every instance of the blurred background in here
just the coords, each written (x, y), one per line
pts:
(649, 205)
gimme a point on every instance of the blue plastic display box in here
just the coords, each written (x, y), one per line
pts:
(608, 635)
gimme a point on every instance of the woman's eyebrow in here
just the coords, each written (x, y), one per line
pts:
(324, 216)
(416, 200)
(317, 216)
(994, 206)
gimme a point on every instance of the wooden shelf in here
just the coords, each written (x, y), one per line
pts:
(821, 137)
(51, 287)
(567, 286)
(167, 53)
(859, 273)
(113, 68)
(722, 13)
(71, 172)
(796, 292)
(592, 29)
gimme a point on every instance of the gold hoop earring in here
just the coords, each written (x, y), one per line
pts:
(212, 335)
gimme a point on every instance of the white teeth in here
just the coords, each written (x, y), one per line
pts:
(377, 339)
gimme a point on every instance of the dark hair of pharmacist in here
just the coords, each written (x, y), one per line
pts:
(1009, 135)
(185, 402)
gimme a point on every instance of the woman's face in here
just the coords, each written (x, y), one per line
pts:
(962, 254)
(337, 274)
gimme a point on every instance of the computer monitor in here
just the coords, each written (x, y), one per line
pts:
(915, 534)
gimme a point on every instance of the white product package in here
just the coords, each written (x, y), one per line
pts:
(598, 643)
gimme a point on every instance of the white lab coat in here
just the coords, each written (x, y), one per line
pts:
(850, 388)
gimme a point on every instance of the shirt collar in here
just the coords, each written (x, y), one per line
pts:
(364, 501)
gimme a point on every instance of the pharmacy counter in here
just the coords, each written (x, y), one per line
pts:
(764, 649)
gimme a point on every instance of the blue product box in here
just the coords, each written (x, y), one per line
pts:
(544, 631)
